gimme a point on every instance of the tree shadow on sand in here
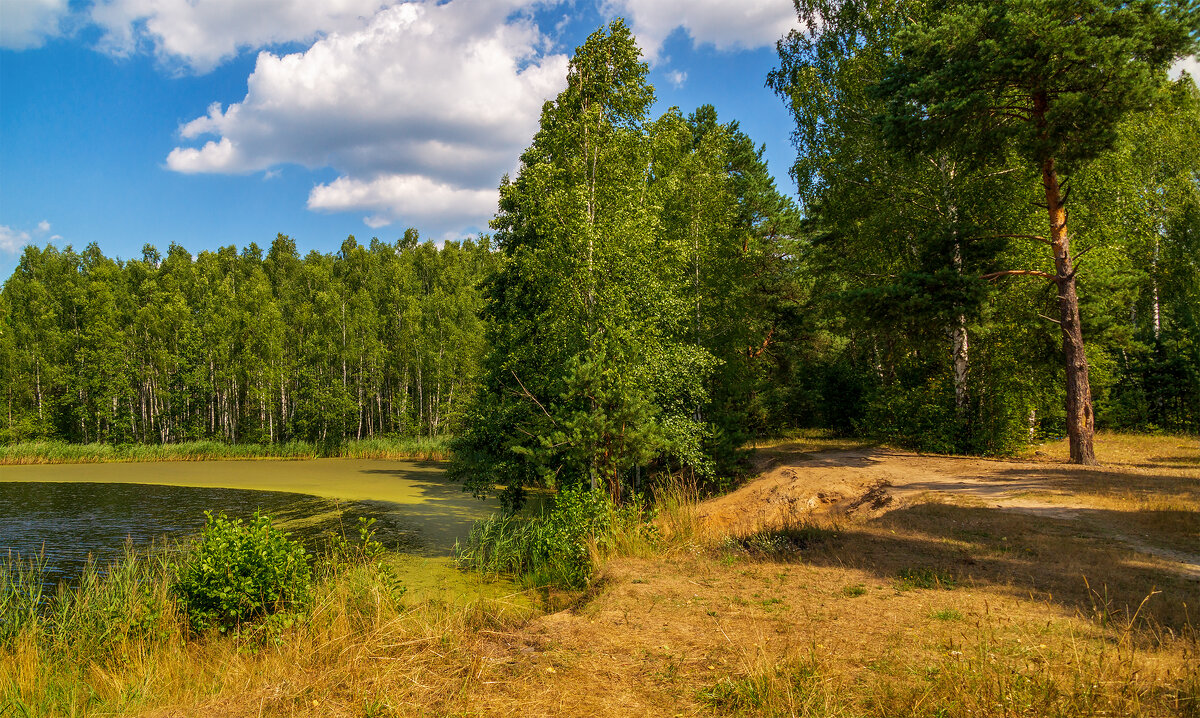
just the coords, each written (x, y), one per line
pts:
(1073, 563)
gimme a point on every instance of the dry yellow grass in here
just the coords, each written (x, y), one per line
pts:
(938, 607)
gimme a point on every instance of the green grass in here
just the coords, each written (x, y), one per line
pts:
(791, 688)
(128, 598)
(927, 578)
(61, 452)
(561, 547)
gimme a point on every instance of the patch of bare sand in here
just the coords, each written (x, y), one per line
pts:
(1113, 501)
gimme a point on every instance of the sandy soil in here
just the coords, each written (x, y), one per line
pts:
(795, 486)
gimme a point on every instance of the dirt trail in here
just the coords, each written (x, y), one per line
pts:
(795, 485)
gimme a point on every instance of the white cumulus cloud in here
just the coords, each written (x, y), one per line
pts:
(418, 200)
(725, 24)
(202, 33)
(11, 240)
(427, 97)
(26, 24)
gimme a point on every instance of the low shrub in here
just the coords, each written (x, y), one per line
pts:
(779, 543)
(240, 573)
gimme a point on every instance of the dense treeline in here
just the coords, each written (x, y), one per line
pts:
(649, 300)
(377, 340)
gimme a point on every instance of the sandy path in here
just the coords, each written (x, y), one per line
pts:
(795, 485)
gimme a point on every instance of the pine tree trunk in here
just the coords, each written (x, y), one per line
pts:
(1081, 427)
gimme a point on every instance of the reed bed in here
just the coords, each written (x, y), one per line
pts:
(562, 546)
(61, 452)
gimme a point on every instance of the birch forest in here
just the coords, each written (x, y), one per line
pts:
(382, 339)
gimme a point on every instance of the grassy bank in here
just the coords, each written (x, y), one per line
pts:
(125, 639)
(58, 452)
(935, 608)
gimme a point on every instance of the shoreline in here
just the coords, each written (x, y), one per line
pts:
(34, 453)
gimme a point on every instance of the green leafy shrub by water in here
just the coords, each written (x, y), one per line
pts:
(240, 573)
(559, 547)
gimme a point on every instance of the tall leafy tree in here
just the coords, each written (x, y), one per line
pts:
(732, 238)
(1141, 297)
(235, 346)
(636, 300)
(589, 375)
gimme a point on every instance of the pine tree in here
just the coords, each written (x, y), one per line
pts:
(1049, 80)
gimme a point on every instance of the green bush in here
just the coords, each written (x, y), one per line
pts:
(240, 573)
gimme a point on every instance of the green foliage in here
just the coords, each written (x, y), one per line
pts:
(1048, 78)
(376, 341)
(1146, 288)
(910, 214)
(240, 573)
(621, 312)
(559, 547)
(921, 417)
(237, 576)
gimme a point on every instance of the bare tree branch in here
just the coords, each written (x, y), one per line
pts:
(532, 397)
(1036, 237)
(1016, 272)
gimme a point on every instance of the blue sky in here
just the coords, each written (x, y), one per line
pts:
(215, 122)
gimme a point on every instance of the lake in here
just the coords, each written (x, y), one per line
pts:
(68, 511)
